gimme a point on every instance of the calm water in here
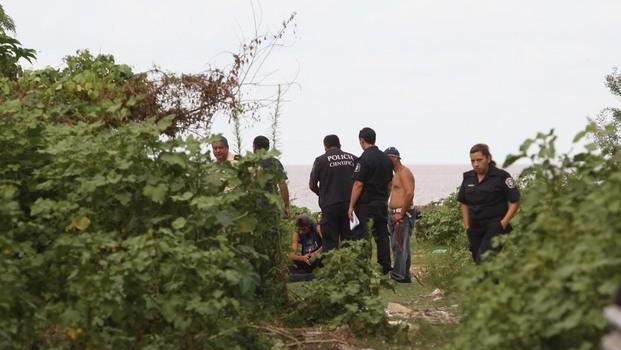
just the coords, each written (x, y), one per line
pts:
(433, 182)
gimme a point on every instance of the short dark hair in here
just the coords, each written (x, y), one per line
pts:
(331, 141)
(261, 142)
(221, 139)
(368, 135)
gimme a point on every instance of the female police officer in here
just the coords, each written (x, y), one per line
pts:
(489, 199)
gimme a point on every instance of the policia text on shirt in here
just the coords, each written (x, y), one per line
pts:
(331, 179)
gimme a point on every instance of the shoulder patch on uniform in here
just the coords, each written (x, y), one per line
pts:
(510, 182)
(357, 168)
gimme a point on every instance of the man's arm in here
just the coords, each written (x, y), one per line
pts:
(314, 178)
(465, 215)
(413, 188)
(355, 195)
(293, 255)
(284, 193)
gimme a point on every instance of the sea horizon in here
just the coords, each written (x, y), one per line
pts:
(433, 182)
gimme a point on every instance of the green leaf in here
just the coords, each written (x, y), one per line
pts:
(175, 159)
(179, 223)
(526, 145)
(224, 218)
(42, 206)
(123, 197)
(232, 276)
(247, 224)
(512, 158)
(186, 196)
(156, 193)
(579, 136)
(8, 191)
(70, 317)
(80, 223)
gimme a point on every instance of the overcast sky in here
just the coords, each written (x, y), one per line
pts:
(432, 77)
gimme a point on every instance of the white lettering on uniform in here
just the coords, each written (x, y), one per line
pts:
(340, 157)
(342, 163)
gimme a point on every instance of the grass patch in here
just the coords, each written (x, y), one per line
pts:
(422, 334)
(416, 297)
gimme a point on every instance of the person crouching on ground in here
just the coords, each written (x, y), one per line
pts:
(402, 215)
(307, 236)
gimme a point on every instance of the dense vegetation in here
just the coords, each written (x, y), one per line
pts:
(117, 230)
(547, 286)
(345, 292)
(115, 237)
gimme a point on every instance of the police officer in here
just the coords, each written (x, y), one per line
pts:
(489, 199)
(331, 179)
(369, 195)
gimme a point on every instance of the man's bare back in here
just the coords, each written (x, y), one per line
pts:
(401, 183)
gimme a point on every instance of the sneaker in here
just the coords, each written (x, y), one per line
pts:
(399, 280)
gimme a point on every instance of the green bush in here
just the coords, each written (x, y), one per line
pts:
(443, 268)
(440, 222)
(547, 286)
(112, 236)
(345, 291)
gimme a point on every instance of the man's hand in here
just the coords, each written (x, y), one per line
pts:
(397, 217)
(504, 224)
(350, 213)
(308, 258)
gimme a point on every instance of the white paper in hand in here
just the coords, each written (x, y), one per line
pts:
(354, 222)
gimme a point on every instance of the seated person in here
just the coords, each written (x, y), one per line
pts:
(306, 235)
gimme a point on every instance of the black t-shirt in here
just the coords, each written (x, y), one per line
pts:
(374, 169)
(310, 241)
(273, 165)
(333, 170)
(488, 199)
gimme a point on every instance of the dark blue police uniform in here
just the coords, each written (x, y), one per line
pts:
(487, 203)
(374, 170)
(331, 180)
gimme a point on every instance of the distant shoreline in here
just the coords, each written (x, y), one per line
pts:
(433, 182)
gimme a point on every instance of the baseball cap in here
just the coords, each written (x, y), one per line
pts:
(391, 151)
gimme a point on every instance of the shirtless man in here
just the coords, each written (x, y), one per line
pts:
(401, 208)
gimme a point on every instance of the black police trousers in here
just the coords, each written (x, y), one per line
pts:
(334, 225)
(378, 212)
(480, 236)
